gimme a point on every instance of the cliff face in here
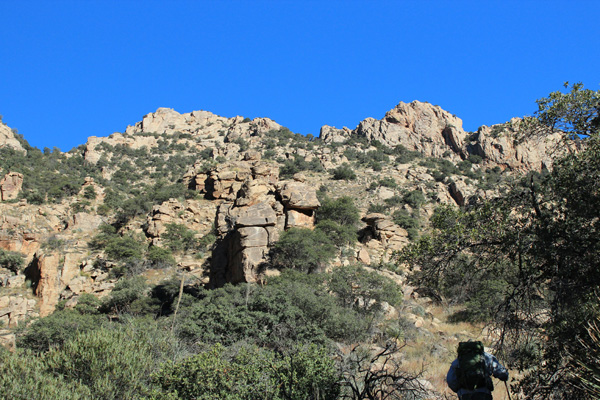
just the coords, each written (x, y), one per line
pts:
(243, 183)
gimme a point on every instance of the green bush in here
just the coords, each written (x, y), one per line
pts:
(377, 208)
(299, 164)
(405, 220)
(388, 182)
(24, 376)
(89, 193)
(404, 156)
(475, 159)
(343, 172)
(394, 201)
(55, 329)
(179, 238)
(339, 235)
(363, 290)
(124, 248)
(293, 308)
(111, 363)
(250, 373)
(341, 210)
(128, 295)
(414, 198)
(159, 257)
(303, 250)
(11, 260)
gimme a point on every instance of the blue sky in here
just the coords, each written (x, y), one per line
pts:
(73, 69)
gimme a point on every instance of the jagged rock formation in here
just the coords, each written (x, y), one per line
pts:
(194, 214)
(417, 126)
(15, 309)
(198, 129)
(433, 132)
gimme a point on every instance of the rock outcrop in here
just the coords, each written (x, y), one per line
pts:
(196, 215)
(10, 186)
(433, 132)
(417, 126)
(503, 146)
(382, 236)
(256, 208)
(15, 309)
(330, 134)
(8, 139)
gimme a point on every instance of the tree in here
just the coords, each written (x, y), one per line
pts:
(302, 249)
(179, 238)
(363, 290)
(534, 252)
(378, 375)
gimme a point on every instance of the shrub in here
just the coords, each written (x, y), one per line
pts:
(377, 208)
(11, 260)
(111, 363)
(475, 159)
(343, 172)
(55, 329)
(405, 220)
(128, 295)
(159, 257)
(404, 156)
(89, 193)
(302, 249)
(363, 290)
(338, 234)
(388, 182)
(293, 308)
(341, 210)
(179, 238)
(124, 248)
(394, 201)
(23, 375)
(414, 198)
(250, 373)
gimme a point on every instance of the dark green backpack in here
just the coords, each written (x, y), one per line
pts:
(471, 370)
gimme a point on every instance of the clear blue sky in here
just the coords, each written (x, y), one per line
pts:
(73, 69)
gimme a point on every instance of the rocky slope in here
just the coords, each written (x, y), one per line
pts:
(250, 181)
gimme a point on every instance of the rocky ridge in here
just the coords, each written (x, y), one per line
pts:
(245, 200)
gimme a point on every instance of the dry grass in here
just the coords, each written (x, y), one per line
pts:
(433, 348)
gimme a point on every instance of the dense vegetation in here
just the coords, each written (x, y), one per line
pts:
(236, 342)
(527, 262)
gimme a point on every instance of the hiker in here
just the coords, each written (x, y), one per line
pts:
(470, 375)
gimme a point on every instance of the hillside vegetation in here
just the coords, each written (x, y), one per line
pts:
(200, 257)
